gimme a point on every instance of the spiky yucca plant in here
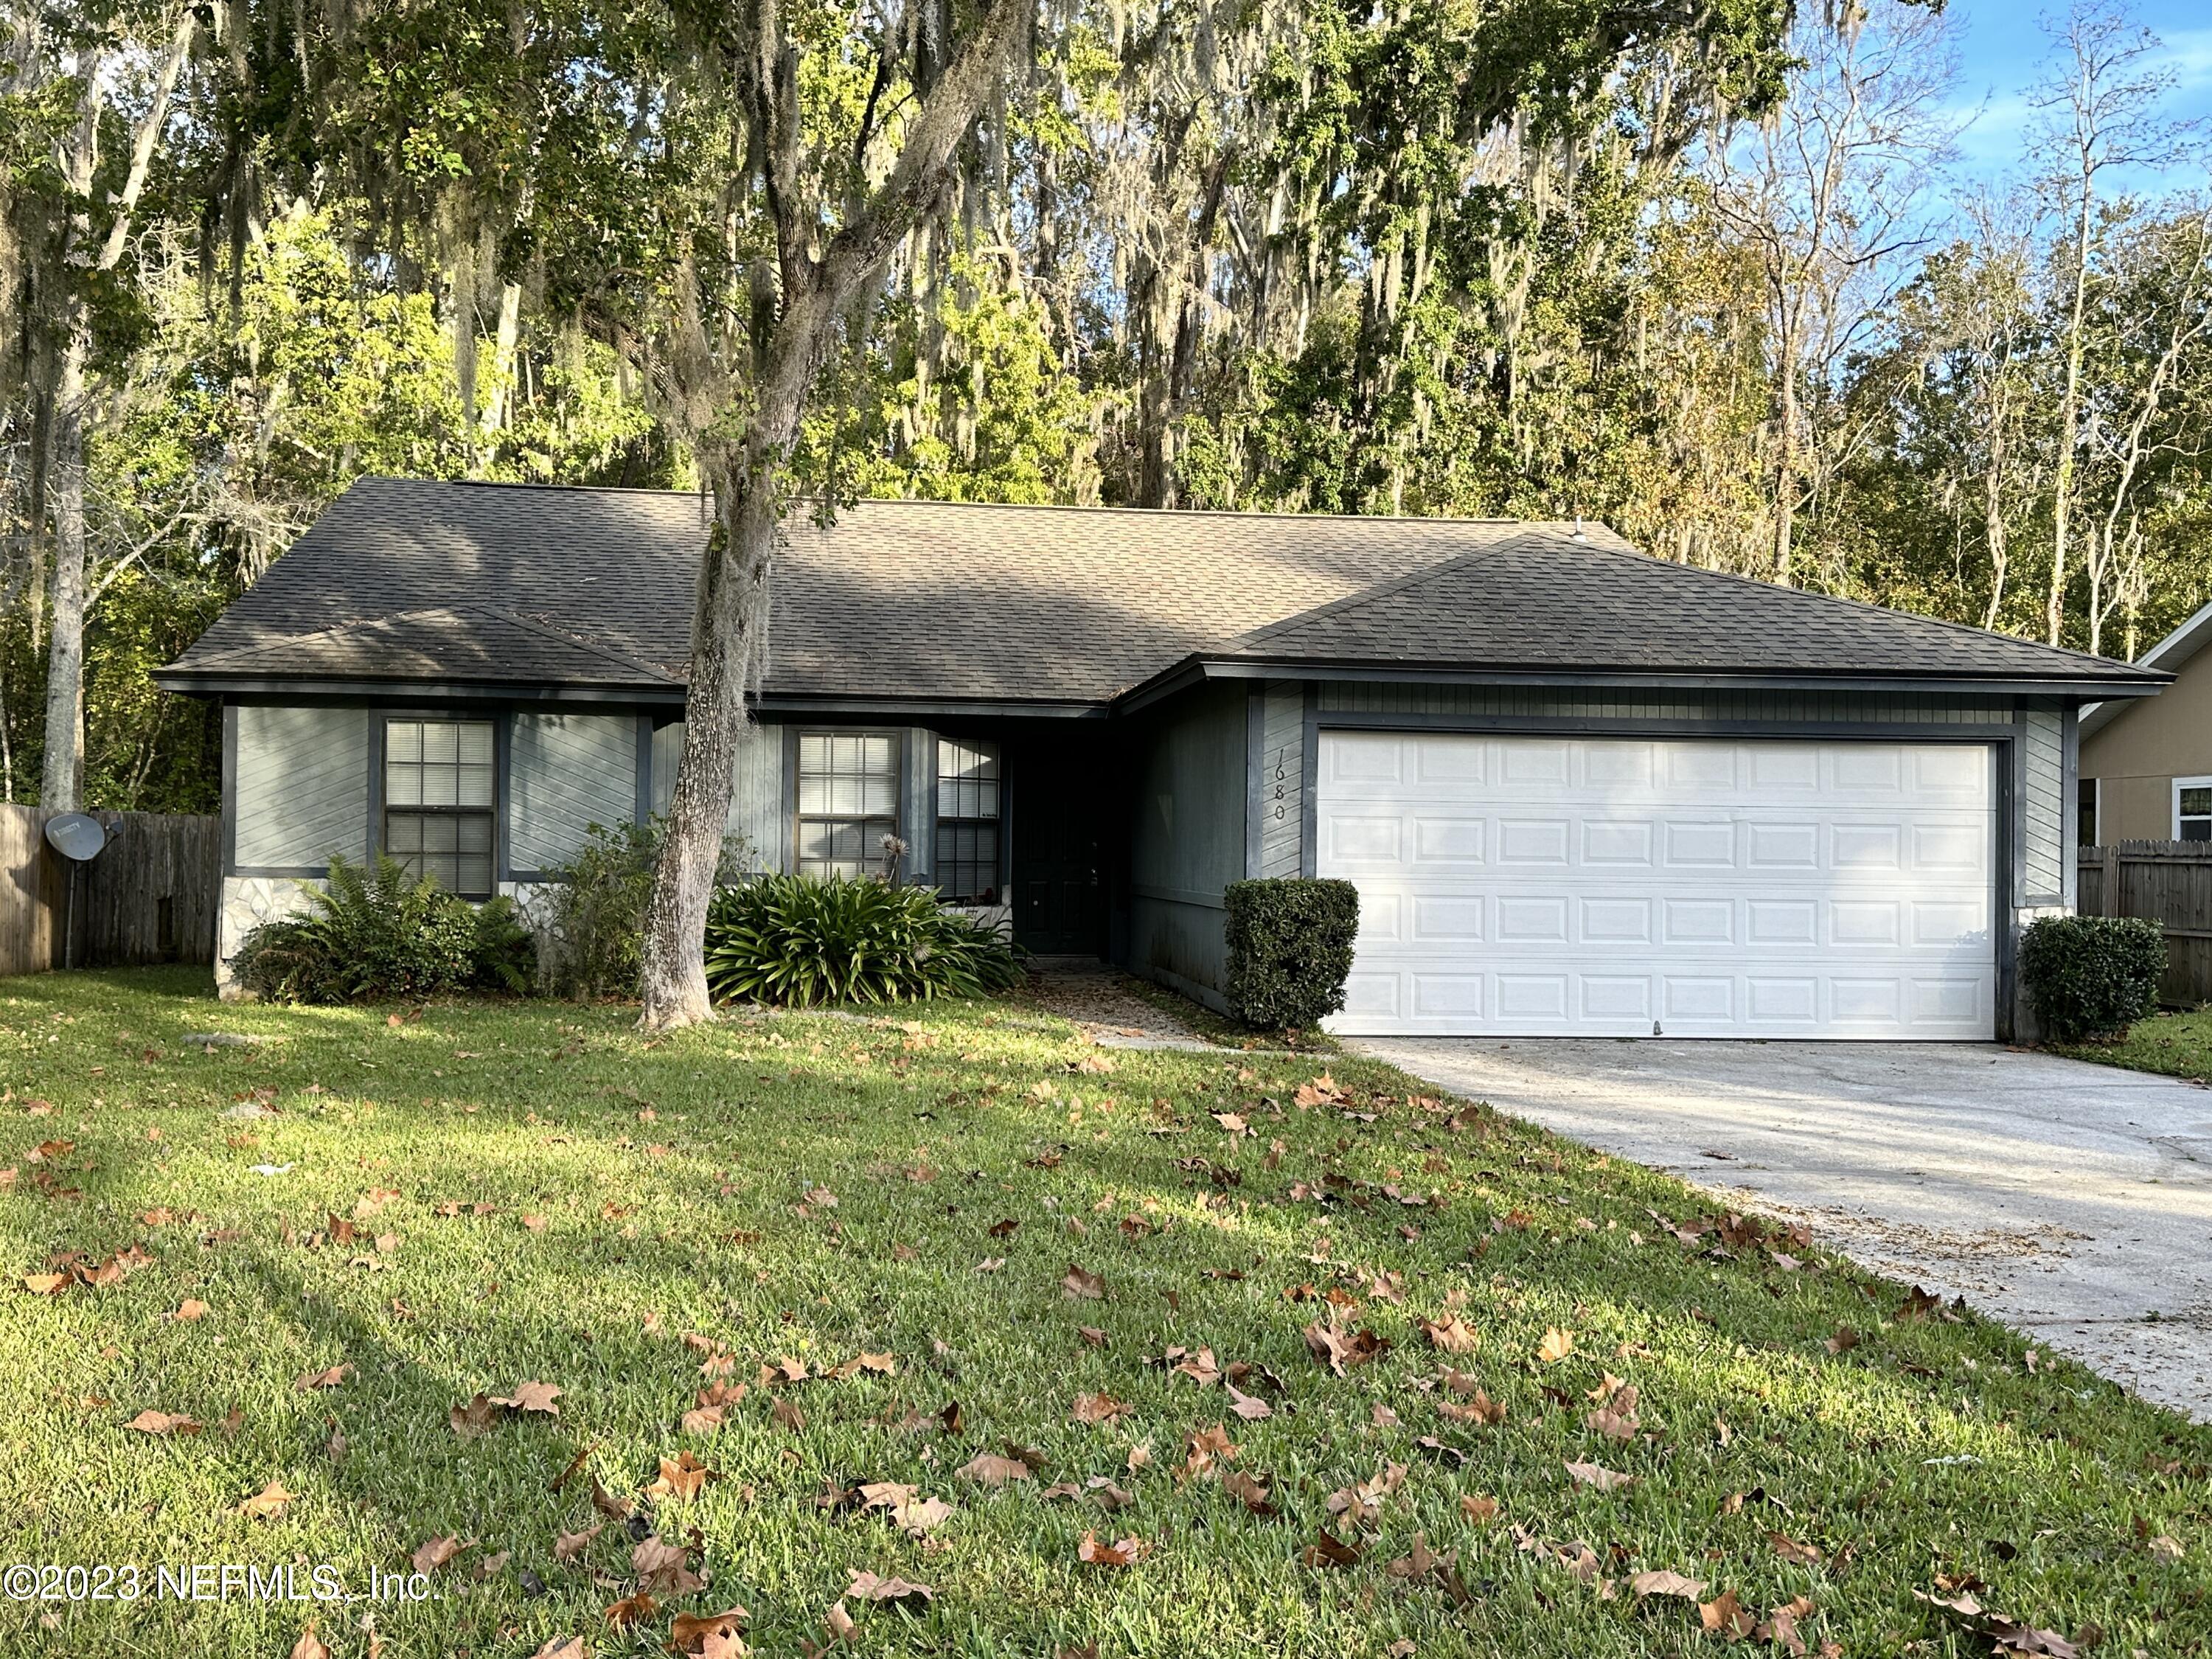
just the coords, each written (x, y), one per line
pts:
(801, 940)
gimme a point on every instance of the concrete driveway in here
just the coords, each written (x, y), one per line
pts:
(2074, 1201)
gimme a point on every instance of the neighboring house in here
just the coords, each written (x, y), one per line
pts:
(1583, 792)
(2147, 772)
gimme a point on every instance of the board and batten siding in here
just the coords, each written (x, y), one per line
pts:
(1282, 761)
(918, 811)
(760, 813)
(299, 787)
(2043, 808)
(1188, 839)
(566, 773)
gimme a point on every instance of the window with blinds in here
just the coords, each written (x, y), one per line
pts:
(438, 801)
(968, 821)
(848, 801)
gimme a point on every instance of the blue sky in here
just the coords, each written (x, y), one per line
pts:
(2002, 49)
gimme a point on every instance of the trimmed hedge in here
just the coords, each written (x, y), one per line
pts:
(2091, 977)
(1289, 950)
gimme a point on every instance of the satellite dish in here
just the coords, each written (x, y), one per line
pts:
(77, 837)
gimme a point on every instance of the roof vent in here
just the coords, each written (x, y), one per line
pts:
(1578, 536)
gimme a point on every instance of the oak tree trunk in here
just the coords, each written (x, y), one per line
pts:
(730, 619)
(62, 781)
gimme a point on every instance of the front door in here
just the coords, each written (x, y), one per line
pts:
(1057, 851)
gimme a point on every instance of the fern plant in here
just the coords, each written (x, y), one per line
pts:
(375, 931)
(801, 941)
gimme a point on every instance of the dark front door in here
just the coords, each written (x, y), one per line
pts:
(1058, 819)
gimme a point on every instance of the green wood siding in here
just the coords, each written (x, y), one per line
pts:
(1187, 840)
(302, 786)
(565, 774)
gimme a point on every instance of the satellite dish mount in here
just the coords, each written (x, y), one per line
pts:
(78, 837)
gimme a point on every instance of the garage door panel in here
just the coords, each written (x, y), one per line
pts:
(1447, 919)
(1618, 766)
(1864, 921)
(1784, 769)
(1794, 922)
(1866, 768)
(1533, 840)
(1616, 921)
(1694, 922)
(1617, 997)
(1700, 845)
(1512, 885)
(1624, 841)
(1364, 839)
(1362, 759)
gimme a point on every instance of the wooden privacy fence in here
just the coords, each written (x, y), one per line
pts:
(150, 897)
(2168, 882)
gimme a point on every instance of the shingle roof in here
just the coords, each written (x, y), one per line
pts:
(415, 579)
(1545, 598)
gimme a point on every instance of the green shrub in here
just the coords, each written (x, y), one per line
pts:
(594, 939)
(2091, 977)
(376, 932)
(794, 939)
(1290, 948)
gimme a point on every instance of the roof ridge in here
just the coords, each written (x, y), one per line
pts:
(1369, 595)
(1101, 509)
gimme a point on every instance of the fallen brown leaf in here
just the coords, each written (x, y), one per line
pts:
(269, 1501)
(691, 1632)
(1666, 1583)
(153, 1422)
(1724, 1617)
(683, 1476)
(1098, 1409)
(570, 1544)
(661, 1566)
(1590, 1474)
(991, 1470)
(433, 1553)
(531, 1397)
(1080, 1282)
(1453, 1336)
(1250, 1407)
(1327, 1550)
(889, 1592)
(1123, 1552)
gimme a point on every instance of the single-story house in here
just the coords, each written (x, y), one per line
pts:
(2146, 771)
(1583, 792)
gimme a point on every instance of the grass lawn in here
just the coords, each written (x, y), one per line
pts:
(2179, 1045)
(966, 1236)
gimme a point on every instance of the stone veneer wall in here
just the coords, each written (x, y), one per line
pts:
(247, 901)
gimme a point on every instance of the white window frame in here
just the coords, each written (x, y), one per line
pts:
(874, 825)
(2096, 788)
(2181, 784)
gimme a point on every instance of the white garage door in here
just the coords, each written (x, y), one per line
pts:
(1595, 887)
